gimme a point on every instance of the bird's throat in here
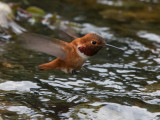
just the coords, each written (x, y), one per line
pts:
(81, 49)
(81, 52)
(89, 51)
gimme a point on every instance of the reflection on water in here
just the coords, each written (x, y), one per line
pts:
(118, 85)
(112, 111)
(103, 31)
(23, 86)
(110, 2)
(149, 36)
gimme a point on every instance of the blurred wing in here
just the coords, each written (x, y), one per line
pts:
(44, 44)
(67, 33)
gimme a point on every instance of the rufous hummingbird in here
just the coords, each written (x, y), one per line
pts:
(70, 56)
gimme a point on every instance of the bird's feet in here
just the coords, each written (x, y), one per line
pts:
(83, 69)
(74, 72)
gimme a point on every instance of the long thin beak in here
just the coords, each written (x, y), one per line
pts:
(114, 47)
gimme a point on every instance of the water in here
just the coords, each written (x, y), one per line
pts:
(117, 85)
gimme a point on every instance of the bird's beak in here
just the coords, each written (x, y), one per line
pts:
(114, 47)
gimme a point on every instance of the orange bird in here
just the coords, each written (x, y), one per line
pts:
(70, 56)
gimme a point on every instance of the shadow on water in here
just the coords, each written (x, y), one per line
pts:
(116, 85)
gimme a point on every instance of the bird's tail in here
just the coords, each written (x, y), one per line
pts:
(47, 66)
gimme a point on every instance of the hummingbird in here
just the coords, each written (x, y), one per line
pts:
(70, 55)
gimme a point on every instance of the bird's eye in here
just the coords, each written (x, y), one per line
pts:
(94, 42)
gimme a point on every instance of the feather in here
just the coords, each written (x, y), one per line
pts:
(44, 44)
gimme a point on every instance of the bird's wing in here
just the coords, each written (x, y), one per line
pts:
(67, 33)
(45, 44)
(68, 36)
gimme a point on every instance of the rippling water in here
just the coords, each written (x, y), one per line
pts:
(117, 85)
